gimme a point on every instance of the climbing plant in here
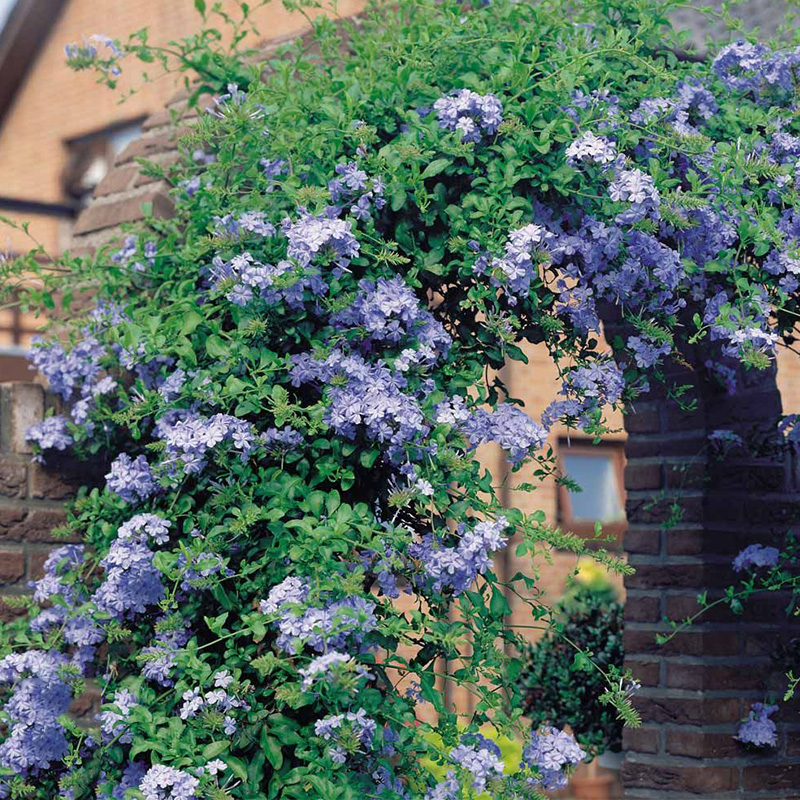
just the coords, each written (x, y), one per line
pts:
(292, 552)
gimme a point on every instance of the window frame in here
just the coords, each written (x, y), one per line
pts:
(581, 446)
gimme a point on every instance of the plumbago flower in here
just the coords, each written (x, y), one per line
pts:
(290, 380)
(758, 729)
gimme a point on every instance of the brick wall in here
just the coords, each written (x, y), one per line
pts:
(697, 687)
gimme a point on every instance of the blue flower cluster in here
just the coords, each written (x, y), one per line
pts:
(188, 440)
(132, 583)
(40, 695)
(254, 279)
(332, 626)
(586, 390)
(388, 311)
(551, 752)
(248, 222)
(218, 699)
(363, 394)
(471, 114)
(167, 783)
(50, 434)
(160, 658)
(755, 68)
(332, 668)
(355, 188)
(755, 556)
(127, 255)
(758, 729)
(515, 269)
(480, 757)
(131, 478)
(348, 734)
(311, 237)
(458, 567)
(75, 375)
(114, 714)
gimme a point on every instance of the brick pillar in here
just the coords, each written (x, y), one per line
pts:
(32, 496)
(696, 688)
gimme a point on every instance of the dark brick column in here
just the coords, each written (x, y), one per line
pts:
(696, 688)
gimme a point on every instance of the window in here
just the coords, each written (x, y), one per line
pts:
(599, 471)
(91, 157)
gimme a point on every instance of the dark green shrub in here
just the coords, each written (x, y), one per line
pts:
(560, 689)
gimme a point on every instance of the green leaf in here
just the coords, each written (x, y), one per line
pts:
(435, 167)
(217, 347)
(190, 321)
(214, 749)
(398, 198)
(237, 767)
(272, 749)
(499, 606)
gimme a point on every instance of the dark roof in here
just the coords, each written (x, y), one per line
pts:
(21, 39)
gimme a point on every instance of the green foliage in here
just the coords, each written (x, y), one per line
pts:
(571, 668)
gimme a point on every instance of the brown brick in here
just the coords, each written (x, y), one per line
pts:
(87, 704)
(688, 711)
(643, 418)
(648, 446)
(13, 478)
(642, 540)
(793, 743)
(640, 608)
(642, 475)
(12, 565)
(711, 676)
(653, 510)
(646, 672)
(749, 477)
(36, 561)
(681, 606)
(680, 420)
(690, 643)
(109, 215)
(118, 180)
(158, 120)
(60, 478)
(686, 475)
(685, 542)
(7, 613)
(21, 405)
(701, 744)
(697, 780)
(642, 740)
(147, 146)
(668, 576)
(9, 523)
(166, 161)
(36, 525)
(773, 776)
(772, 511)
